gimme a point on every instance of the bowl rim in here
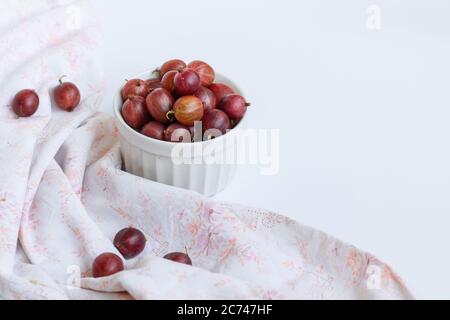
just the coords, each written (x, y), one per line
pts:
(147, 75)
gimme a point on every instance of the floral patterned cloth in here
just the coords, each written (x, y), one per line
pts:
(63, 197)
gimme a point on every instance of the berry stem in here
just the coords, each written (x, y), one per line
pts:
(157, 71)
(170, 115)
(61, 79)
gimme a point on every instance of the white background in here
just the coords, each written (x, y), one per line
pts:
(364, 115)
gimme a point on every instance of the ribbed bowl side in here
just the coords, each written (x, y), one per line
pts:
(207, 179)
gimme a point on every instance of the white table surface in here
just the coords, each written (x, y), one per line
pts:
(364, 115)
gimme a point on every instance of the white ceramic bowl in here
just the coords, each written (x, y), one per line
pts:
(153, 159)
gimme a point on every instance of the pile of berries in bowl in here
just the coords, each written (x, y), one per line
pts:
(168, 106)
